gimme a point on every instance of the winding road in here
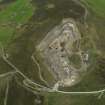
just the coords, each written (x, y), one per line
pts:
(43, 88)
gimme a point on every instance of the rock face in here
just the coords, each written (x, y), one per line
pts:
(56, 48)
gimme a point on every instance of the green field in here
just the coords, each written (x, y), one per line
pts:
(61, 99)
(98, 6)
(16, 13)
(5, 34)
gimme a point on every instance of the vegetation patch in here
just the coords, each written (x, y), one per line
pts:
(98, 6)
(18, 12)
(5, 34)
(75, 60)
(15, 14)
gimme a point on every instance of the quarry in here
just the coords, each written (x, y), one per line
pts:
(56, 48)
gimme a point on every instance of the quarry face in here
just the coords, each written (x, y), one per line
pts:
(56, 48)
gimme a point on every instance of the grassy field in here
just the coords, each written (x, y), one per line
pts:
(98, 6)
(61, 99)
(5, 34)
(15, 14)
